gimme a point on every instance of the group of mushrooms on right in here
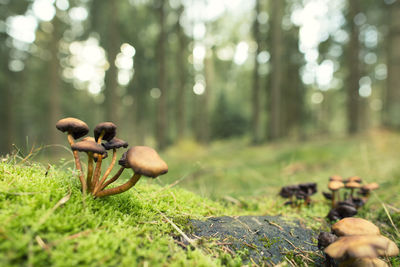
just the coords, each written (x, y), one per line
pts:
(356, 242)
(354, 195)
(352, 241)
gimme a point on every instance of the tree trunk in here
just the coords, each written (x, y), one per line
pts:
(392, 101)
(55, 84)
(112, 101)
(353, 63)
(204, 118)
(162, 117)
(276, 47)
(181, 66)
(256, 80)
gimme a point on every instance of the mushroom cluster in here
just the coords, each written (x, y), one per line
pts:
(144, 161)
(356, 242)
(298, 194)
(347, 204)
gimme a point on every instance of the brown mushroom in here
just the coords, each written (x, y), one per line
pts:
(89, 146)
(75, 129)
(106, 131)
(336, 178)
(113, 144)
(361, 246)
(334, 186)
(143, 161)
(354, 226)
(352, 185)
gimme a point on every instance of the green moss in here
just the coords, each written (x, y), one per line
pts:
(118, 230)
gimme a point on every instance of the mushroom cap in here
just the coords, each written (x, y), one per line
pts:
(308, 188)
(104, 156)
(109, 128)
(288, 191)
(370, 187)
(73, 126)
(352, 185)
(145, 161)
(362, 246)
(364, 262)
(325, 239)
(115, 143)
(336, 178)
(354, 226)
(354, 179)
(88, 146)
(122, 161)
(335, 185)
(88, 138)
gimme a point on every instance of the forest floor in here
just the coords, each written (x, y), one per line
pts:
(45, 221)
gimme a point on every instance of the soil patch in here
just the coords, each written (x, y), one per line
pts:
(263, 239)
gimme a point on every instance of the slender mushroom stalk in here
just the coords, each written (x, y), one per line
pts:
(143, 161)
(106, 131)
(89, 147)
(113, 179)
(108, 171)
(78, 164)
(120, 189)
(90, 171)
(75, 129)
(334, 186)
(113, 144)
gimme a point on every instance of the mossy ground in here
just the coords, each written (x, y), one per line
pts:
(228, 178)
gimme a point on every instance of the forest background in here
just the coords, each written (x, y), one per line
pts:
(200, 70)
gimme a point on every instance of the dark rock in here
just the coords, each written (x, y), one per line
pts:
(267, 238)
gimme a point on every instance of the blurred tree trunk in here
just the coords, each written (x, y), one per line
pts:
(162, 117)
(181, 67)
(293, 104)
(55, 83)
(392, 105)
(353, 63)
(275, 77)
(256, 105)
(203, 119)
(112, 101)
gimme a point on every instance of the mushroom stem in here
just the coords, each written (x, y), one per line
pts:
(334, 198)
(120, 189)
(90, 171)
(351, 193)
(97, 171)
(109, 169)
(78, 164)
(113, 179)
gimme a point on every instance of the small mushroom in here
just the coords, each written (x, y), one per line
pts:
(334, 186)
(352, 185)
(354, 226)
(289, 192)
(325, 239)
(143, 161)
(356, 179)
(364, 262)
(90, 147)
(105, 131)
(102, 131)
(361, 246)
(113, 144)
(366, 190)
(75, 129)
(336, 178)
